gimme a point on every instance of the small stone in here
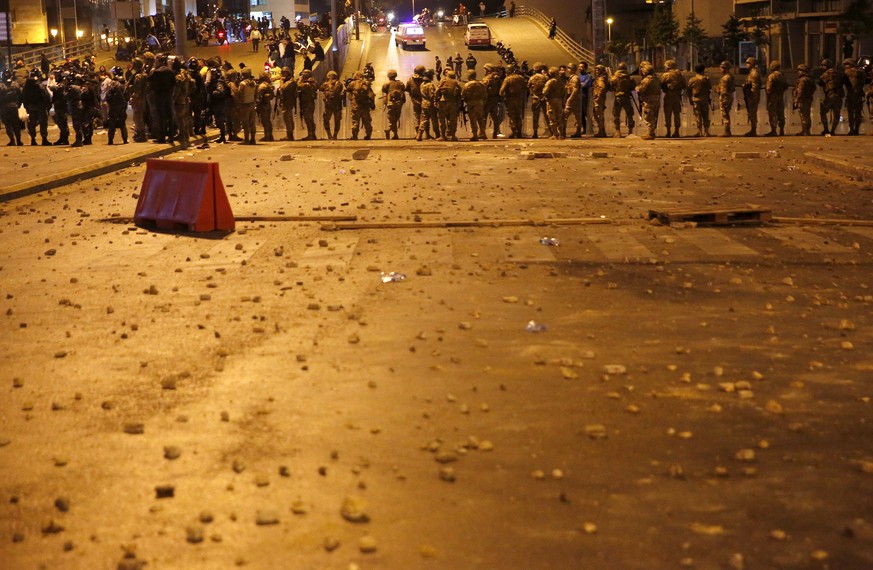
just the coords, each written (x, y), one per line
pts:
(447, 474)
(367, 544)
(285, 157)
(614, 369)
(486, 445)
(165, 491)
(778, 534)
(465, 325)
(194, 534)
(818, 555)
(51, 526)
(168, 383)
(238, 466)
(299, 508)
(589, 528)
(134, 428)
(596, 431)
(446, 457)
(538, 474)
(172, 452)
(331, 543)
(427, 551)
(206, 517)
(261, 480)
(62, 504)
(354, 509)
(266, 517)
(745, 455)
(707, 530)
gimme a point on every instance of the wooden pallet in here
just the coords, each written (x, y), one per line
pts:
(714, 216)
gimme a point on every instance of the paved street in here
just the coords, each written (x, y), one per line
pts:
(698, 398)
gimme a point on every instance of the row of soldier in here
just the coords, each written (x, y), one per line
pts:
(170, 100)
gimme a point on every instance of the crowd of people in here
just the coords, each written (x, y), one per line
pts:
(173, 100)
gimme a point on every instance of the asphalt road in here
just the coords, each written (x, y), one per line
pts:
(699, 398)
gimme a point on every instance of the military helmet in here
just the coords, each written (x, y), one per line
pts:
(622, 66)
(553, 71)
(539, 66)
(356, 75)
(751, 61)
(429, 73)
(669, 64)
(137, 63)
(450, 73)
(725, 65)
(117, 71)
(775, 66)
(471, 74)
(802, 67)
(192, 64)
(246, 72)
(826, 63)
(306, 73)
(489, 67)
(645, 68)
(849, 62)
(36, 74)
(418, 70)
(264, 76)
(598, 69)
(332, 74)
(392, 74)
(286, 71)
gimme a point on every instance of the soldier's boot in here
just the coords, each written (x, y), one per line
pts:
(772, 133)
(110, 138)
(676, 133)
(751, 133)
(727, 132)
(45, 142)
(600, 135)
(419, 136)
(706, 133)
(335, 131)
(86, 140)
(781, 131)
(33, 142)
(61, 142)
(77, 143)
(616, 134)
(396, 136)
(668, 133)
(535, 135)
(648, 136)
(577, 134)
(354, 135)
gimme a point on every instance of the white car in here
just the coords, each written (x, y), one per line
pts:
(410, 35)
(477, 35)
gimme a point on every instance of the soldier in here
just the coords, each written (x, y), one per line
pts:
(37, 101)
(117, 101)
(59, 101)
(332, 94)
(853, 79)
(869, 96)
(217, 93)
(650, 98)
(699, 91)
(265, 96)
(573, 103)
(752, 95)
(832, 101)
(244, 96)
(287, 101)
(429, 111)
(775, 88)
(673, 84)
(198, 97)
(413, 87)
(802, 96)
(75, 108)
(10, 99)
(161, 80)
(513, 90)
(394, 93)
(438, 67)
(90, 107)
(493, 104)
(623, 87)
(182, 91)
(474, 94)
(459, 64)
(726, 88)
(232, 116)
(362, 100)
(537, 100)
(553, 91)
(599, 91)
(307, 93)
(448, 94)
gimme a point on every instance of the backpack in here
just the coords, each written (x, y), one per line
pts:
(115, 95)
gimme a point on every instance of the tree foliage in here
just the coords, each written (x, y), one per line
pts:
(760, 31)
(858, 18)
(663, 27)
(734, 32)
(693, 33)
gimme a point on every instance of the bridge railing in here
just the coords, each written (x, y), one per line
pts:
(573, 47)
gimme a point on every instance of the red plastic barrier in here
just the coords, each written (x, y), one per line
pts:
(188, 194)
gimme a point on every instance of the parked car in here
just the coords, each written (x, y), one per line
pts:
(477, 35)
(410, 35)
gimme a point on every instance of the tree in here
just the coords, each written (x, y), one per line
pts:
(858, 18)
(733, 33)
(663, 27)
(693, 35)
(760, 34)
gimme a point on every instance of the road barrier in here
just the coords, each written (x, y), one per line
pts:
(187, 195)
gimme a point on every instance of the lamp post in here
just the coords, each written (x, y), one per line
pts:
(609, 22)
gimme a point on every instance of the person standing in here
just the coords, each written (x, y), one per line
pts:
(287, 101)
(116, 99)
(363, 101)
(752, 95)
(255, 36)
(394, 93)
(673, 84)
(726, 88)
(307, 93)
(59, 101)
(623, 86)
(804, 91)
(162, 80)
(553, 92)
(650, 98)
(429, 112)
(585, 81)
(775, 89)
(182, 91)
(513, 91)
(832, 102)
(413, 87)
(599, 90)
(474, 94)
(264, 97)
(699, 91)
(493, 83)
(247, 113)
(449, 96)
(535, 86)
(481, 9)
(332, 95)
(10, 99)
(553, 29)
(37, 102)
(853, 79)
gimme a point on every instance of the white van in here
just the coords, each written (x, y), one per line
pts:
(477, 35)
(410, 35)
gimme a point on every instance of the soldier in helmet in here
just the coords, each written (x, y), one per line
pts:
(752, 94)
(246, 95)
(287, 99)
(553, 91)
(333, 96)
(493, 104)
(599, 91)
(537, 100)
(59, 101)
(573, 101)
(429, 111)
(394, 93)
(307, 93)
(804, 91)
(265, 95)
(448, 94)
(832, 102)
(474, 94)
(699, 91)
(137, 88)
(10, 99)
(650, 98)
(673, 84)
(853, 79)
(513, 91)
(117, 101)
(726, 88)
(362, 101)
(775, 88)
(622, 86)
(217, 93)
(413, 87)
(182, 91)
(37, 101)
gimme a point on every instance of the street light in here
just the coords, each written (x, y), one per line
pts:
(54, 33)
(79, 34)
(609, 22)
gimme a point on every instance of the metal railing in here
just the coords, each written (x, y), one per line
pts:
(72, 49)
(573, 47)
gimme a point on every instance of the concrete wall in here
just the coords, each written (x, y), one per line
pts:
(714, 13)
(29, 24)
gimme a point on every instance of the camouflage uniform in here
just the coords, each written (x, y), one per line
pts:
(649, 90)
(802, 96)
(429, 112)
(307, 93)
(362, 100)
(553, 91)
(752, 95)
(474, 94)
(673, 84)
(573, 103)
(493, 104)
(244, 97)
(138, 100)
(264, 98)
(513, 91)
(832, 102)
(537, 101)
(853, 79)
(623, 87)
(394, 93)
(726, 88)
(182, 91)
(413, 87)
(776, 87)
(699, 90)
(333, 96)
(449, 96)
(599, 92)
(287, 99)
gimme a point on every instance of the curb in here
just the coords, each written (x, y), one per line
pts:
(93, 170)
(858, 171)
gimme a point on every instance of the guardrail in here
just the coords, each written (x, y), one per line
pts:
(573, 47)
(67, 50)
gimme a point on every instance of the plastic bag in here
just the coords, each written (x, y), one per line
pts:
(22, 114)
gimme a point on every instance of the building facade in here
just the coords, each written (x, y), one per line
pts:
(27, 22)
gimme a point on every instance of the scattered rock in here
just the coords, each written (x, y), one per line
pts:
(367, 544)
(134, 428)
(172, 452)
(354, 509)
(331, 543)
(266, 517)
(165, 491)
(194, 534)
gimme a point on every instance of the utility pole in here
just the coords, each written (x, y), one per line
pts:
(181, 25)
